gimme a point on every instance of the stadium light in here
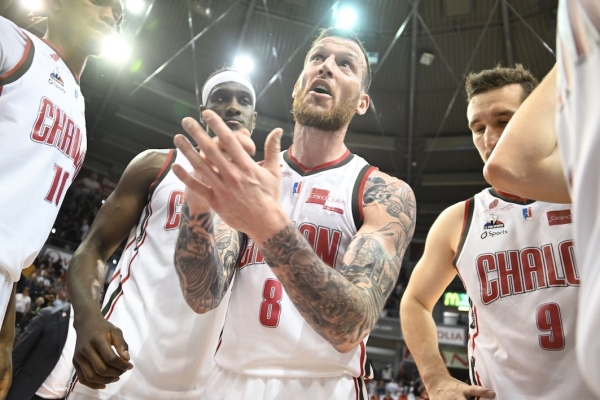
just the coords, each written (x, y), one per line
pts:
(116, 49)
(345, 18)
(33, 5)
(244, 64)
(135, 6)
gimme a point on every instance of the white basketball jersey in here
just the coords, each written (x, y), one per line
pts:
(578, 122)
(264, 334)
(42, 147)
(518, 266)
(172, 348)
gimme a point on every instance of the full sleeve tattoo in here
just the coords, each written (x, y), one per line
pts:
(205, 258)
(344, 306)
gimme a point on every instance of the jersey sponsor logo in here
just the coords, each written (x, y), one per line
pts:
(297, 188)
(53, 127)
(513, 272)
(492, 222)
(324, 241)
(560, 217)
(494, 210)
(323, 198)
(54, 56)
(174, 210)
(493, 234)
(527, 214)
(56, 80)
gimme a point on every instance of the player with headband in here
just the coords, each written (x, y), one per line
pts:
(163, 349)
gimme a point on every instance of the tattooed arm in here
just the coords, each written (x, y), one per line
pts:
(206, 254)
(343, 306)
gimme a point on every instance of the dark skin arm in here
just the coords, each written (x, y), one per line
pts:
(95, 361)
(7, 337)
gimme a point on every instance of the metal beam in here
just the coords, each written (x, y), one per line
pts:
(249, 12)
(411, 96)
(507, 34)
(453, 179)
(449, 143)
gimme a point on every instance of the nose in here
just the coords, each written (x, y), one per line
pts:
(233, 108)
(327, 66)
(491, 137)
(107, 16)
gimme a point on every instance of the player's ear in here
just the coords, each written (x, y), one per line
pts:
(254, 116)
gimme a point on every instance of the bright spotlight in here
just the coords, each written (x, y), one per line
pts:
(33, 5)
(114, 261)
(135, 6)
(116, 49)
(53, 230)
(345, 18)
(243, 64)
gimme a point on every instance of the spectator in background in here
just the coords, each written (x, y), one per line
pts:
(61, 298)
(392, 387)
(22, 304)
(42, 366)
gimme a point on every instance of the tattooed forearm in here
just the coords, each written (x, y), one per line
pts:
(342, 309)
(203, 276)
(344, 306)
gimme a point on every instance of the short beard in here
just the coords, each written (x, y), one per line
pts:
(334, 120)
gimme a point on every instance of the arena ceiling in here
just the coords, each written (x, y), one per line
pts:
(417, 127)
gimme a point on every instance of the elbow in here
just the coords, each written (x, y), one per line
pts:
(498, 176)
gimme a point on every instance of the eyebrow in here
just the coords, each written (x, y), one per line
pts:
(504, 113)
(234, 92)
(343, 53)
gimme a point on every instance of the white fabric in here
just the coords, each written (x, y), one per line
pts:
(172, 348)
(519, 270)
(6, 286)
(225, 385)
(227, 76)
(38, 163)
(57, 383)
(12, 45)
(578, 123)
(21, 302)
(274, 340)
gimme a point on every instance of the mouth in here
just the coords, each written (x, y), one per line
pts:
(321, 88)
(233, 122)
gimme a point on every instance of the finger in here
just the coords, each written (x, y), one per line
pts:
(87, 373)
(212, 153)
(272, 150)
(121, 346)
(227, 140)
(192, 183)
(100, 372)
(111, 361)
(83, 380)
(479, 391)
(243, 136)
(202, 166)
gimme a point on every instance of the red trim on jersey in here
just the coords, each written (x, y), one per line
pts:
(318, 167)
(512, 196)
(112, 306)
(162, 169)
(21, 61)
(361, 191)
(219, 345)
(117, 272)
(356, 388)
(363, 353)
(476, 326)
(60, 53)
(132, 241)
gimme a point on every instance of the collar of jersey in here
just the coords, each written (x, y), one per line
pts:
(303, 171)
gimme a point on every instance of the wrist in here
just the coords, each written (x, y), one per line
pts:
(273, 224)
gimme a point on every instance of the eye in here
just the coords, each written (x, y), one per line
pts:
(345, 64)
(317, 57)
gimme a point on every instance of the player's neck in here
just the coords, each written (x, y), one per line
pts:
(73, 56)
(314, 147)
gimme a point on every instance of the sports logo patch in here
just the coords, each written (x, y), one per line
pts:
(56, 80)
(527, 214)
(492, 222)
(296, 188)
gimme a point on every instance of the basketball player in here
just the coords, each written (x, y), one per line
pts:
(164, 349)
(42, 134)
(326, 234)
(576, 80)
(515, 258)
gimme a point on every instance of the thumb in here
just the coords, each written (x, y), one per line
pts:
(272, 149)
(481, 392)
(120, 345)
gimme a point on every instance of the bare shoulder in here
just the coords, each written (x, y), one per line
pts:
(448, 226)
(146, 166)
